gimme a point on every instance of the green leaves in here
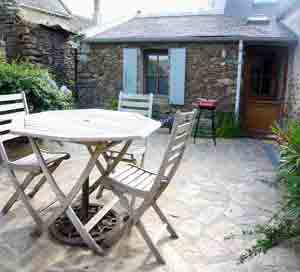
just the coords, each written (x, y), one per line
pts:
(41, 94)
(270, 236)
(284, 225)
(227, 126)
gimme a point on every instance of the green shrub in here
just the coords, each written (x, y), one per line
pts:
(114, 104)
(227, 126)
(284, 225)
(40, 91)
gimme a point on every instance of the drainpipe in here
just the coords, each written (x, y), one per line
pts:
(239, 80)
(97, 14)
(76, 73)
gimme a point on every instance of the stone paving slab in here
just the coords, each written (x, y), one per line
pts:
(217, 192)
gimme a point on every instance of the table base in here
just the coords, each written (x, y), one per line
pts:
(64, 231)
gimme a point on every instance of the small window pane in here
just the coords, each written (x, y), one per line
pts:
(152, 65)
(157, 72)
(151, 85)
(263, 80)
(163, 65)
(264, 1)
(163, 85)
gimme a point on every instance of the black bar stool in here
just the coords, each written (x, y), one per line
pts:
(203, 104)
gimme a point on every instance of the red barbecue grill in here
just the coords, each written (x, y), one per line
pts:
(208, 105)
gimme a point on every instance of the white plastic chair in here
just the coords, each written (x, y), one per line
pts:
(133, 182)
(15, 106)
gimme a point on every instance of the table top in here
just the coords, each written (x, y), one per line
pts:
(92, 125)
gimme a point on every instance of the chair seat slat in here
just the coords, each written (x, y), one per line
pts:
(126, 174)
(30, 162)
(139, 180)
(146, 184)
(121, 171)
(133, 177)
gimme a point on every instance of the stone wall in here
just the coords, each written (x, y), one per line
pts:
(46, 47)
(210, 72)
(8, 18)
(2, 51)
(100, 75)
(292, 109)
(38, 44)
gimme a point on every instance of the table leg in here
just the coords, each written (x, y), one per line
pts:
(83, 218)
(85, 200)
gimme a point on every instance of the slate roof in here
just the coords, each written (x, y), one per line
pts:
(292, 6)
(246, 8)
(193, 28)
(54, 14)
(54, 6)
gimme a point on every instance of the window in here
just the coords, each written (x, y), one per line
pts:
(157, 72)
(257, 2)
(263, 76)
(268, 74)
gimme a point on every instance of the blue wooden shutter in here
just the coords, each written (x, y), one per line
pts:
(177, 75)
(130, 70)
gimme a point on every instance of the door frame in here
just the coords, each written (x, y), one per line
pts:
(248, 99)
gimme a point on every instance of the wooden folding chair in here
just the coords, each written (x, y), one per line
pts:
(137, 103)
(141, 104)
(137, 182)
(15, 106)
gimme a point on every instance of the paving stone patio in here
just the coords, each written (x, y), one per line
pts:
(217, 193)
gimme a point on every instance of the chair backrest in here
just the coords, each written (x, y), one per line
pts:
(11, 106)
(137, 103)
(181, 132)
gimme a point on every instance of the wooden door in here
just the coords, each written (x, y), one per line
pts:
(265, 80)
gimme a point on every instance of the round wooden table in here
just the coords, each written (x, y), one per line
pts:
(99, 130)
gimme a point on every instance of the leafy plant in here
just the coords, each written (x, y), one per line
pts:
(289, 141)
(41, 91)
(270, 235)
(284, 225)
(114, 104)
(227, 126)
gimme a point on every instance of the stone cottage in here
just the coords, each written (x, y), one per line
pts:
(236, 52)
(39, 31)
(291, 19)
